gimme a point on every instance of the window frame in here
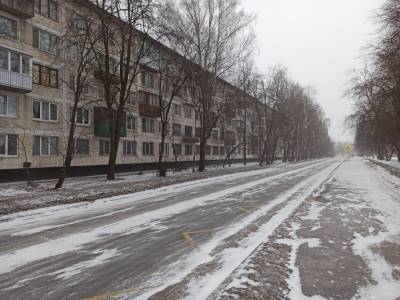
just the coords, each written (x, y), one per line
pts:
(148, 149)
(188, 146)
(6, 145)
(131, 145)
(130, 120)
(40, 42)
(151, 123)
(102, 144)
(85, 112)
(21, 63)
(14, 23)
(188, 112)
(51, 151)
(40, 74)
(76, 148)
(38, 9)
(42, 110)
(6, 99)
(176, 132)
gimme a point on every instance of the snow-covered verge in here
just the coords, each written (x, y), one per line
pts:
(15, 197)
(392, 166)
(343, 242)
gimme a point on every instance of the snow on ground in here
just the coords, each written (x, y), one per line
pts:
(34, 219)
(148, 220)
(230, 258)
(343, 242)
(6, 192)
(394, 162)
(16, 197)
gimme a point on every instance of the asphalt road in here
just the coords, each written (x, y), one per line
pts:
(174, 242)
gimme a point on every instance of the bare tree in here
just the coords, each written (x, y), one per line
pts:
(173, 73)
(78, 65)
(120, 44)
(217, 34)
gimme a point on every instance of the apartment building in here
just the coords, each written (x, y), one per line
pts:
(35, 104)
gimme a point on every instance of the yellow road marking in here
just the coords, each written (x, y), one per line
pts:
(187, 235)
(244, 210)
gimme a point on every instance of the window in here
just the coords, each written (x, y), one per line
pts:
(148, 98)
(8, 28)
(188, 149)
(197, 149)
(188, 131)
(177, 109)
(215, 150)
(85, 89)
(44, 145)
(4, 58)
(188, 112)
(147, 125)
(8, 105)
(82, 146)
(166, 149)
(44, 110)
(112, 64)
(81, 116)
(222, 150)
(131, 98)
(129, 148)
(208, 150)
(177, 148)
(148, 149)
(46, 8)
(44, 40)
(147, 79)
(214, 134)
(130, 122)
(104, 147)
(176, 129)
(45, 76)
(14, 62)
(8, 145)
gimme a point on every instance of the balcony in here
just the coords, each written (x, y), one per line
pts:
(189, 140)
(21, 8)
(103, 129)
(102, 124)
(149, 111)
(16, 82)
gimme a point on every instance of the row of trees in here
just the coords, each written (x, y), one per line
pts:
(376, 90)
(288, 119)
(206, 40)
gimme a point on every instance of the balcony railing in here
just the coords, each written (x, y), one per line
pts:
(149, 111)
(102, 123)
(104, 130)
(15, 81)
(189, 140)
(21, 8)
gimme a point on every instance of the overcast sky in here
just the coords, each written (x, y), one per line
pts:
(319, 41)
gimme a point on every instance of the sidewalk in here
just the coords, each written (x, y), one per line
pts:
(15, 197)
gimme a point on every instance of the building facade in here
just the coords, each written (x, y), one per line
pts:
(35, 103)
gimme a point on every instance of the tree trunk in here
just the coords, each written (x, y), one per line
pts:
(114, 142)
(161, 171)
(112, 157)
(70, 151)
(202, 158)
(244, 148)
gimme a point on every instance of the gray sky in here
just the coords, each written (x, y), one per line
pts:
(319, 41)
